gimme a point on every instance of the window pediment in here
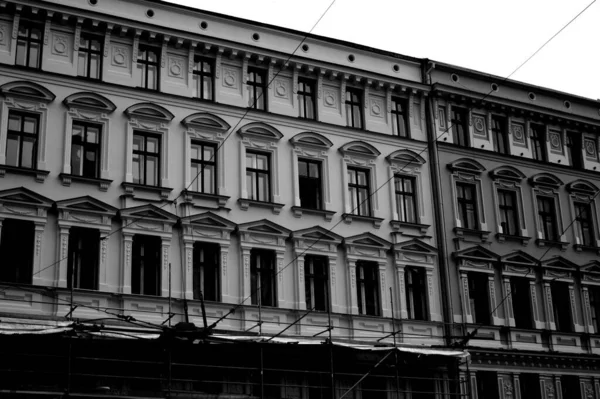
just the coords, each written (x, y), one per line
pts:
(519, 258)
(209, 219)
(149, 110)
(91, 101)
(414, 251)
(559, 263)
(590, 273)
(205, 120)
(507, 173)
(263, 232)
(148, 212)
(29, 90)
(466, 165)
(367, 244)
(545, 180)
(23, 203)
(86, 204)
(260, 130)
(317, 233)
(415, 246)
(359, 148)
(311, 139)
(207, 226)
(582, 187)
(406, 157)
(476, 254)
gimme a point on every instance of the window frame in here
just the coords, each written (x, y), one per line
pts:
(198, 179)
(508, 178)
(139, 262)
(312, 279)
(28, 41)
(257, 102)
(357, 189)
(144, 154)
(73, 271)
(499, 129)
(256, 172)
(95, 147)
(89, 52)
(463, 205)
(463, 137)
(22, 135)
(141, 59)
(574, 142)
(302, 95)
(414, 290)
(362, 284)
(584, 193)
(468, 171)
(200, 266)
(398, 114)
(538, 136)
(355, 107)
(14, 229)
(505, 209)
(402, 216)
(200, 75)
(316, 182)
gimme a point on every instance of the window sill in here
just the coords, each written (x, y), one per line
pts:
(461, 232)
(508, 237)
(190, 196)
(349, 217)
(398, 225)
(68, 179)
(327, 215)
(39, 175)
(555, 244)
(586, 248)
(132, 188)
(246, 203)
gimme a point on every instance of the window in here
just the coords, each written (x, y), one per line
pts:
(478, 298)
(487, 384)
(583, 223)
(367, 288)
(90, 56)
(574, 146)
(22, 140)
(500, 135)
(258, 176)
(16, 251)
(29, 44)
(204, 167)
(460, 129)
(467, 206)
(257, 88)
(262, 277)
(399, 117)
(310, 184)
(203, 78)
(520, 296)
(547, 218)
(148, 63)
(145, 268)
(509, 214)
(85, 149)
(82, 266)
(206, 271)
(359, 191)
(306, 98)
(405, 198)
(561, 304)
(530, 386)
(538, 142)
(146, 159)
(594, 294)
(570, 386)
(416, 290)
(315, 280)
(354, 108)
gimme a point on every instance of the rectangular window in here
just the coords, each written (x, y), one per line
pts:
(206, 271)
(262, 279)
(354, 108)
(146, 159)
(306, 98)
(29, 44)
(359, 190)
(467, 206)
(487, 384)
(574, 150)
(367, 288)
(85, 150)
(500, 135)
(203, 78)
(257, 88)
(561, 303)
(571, 387)
(594, 294)
(149, 65)
(204, 167)
(583, 224)
(315, 281)
(547, 218)
(530, 386)
(145, 265)
(521, 299)
(22, 139)
(16, 251)
(82, 266)
(509, 214)
(538, 142)
(400, 117)
(460, 128)
(310, 184)
(479, 302)
(258, 176)
(90, 56)
(405, 198)
(416, 290)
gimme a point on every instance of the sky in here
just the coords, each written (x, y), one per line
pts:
(493, 37)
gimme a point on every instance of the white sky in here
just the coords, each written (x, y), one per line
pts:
(489, 36)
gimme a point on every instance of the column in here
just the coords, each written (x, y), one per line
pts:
(492, 299)
(166, 272)
(587, 310)
(549, 387)
(463, 384)
(295, 183)
(127, 249)
(506, 388)
(352, 297)
(63, 256)
(37, 278)
(517, 386)
(333, 297)
(467, 317)
(402, 310)
(577, 327)
(383, 291)
(188, 278)
(224, 256)
(280, 289)
(432, 300)
(300, 290)
(245, 278)
(102, 264)
(549, 309)
(539, 324)
(508, 303)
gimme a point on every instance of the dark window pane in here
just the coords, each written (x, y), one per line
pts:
(145, 265)
(16, 251)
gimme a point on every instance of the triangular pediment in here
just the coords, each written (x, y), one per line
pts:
(519, 258)
(591, 268)
(415, 245)
(88, 204)
(150, 212)
(209, 219)
(90, 100)
(360, 148)
(476, 253)
(311, 138)
(264, 226)
(367, 239)
(206, 120)
(559, 262)
(22, 195)
(508, 173)
(27, 89)
(466, 165)
(149, 110)
(317, 233)
(406, 157)
(261, 130)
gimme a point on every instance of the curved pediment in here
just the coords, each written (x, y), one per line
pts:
(367, 239)
(210, 220)
(317, 233)
(261, 130)
(407, 157)
(205, 120)
(24, 196)
(545, 179)
(148, 212)
(359, 148)
(582, 187)
(508, 173)
(466, 165)
(90, 100)
(477, 253)
(264, 226)
(149, 110)
(26, 89)
(86, 204)
(311, 138)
